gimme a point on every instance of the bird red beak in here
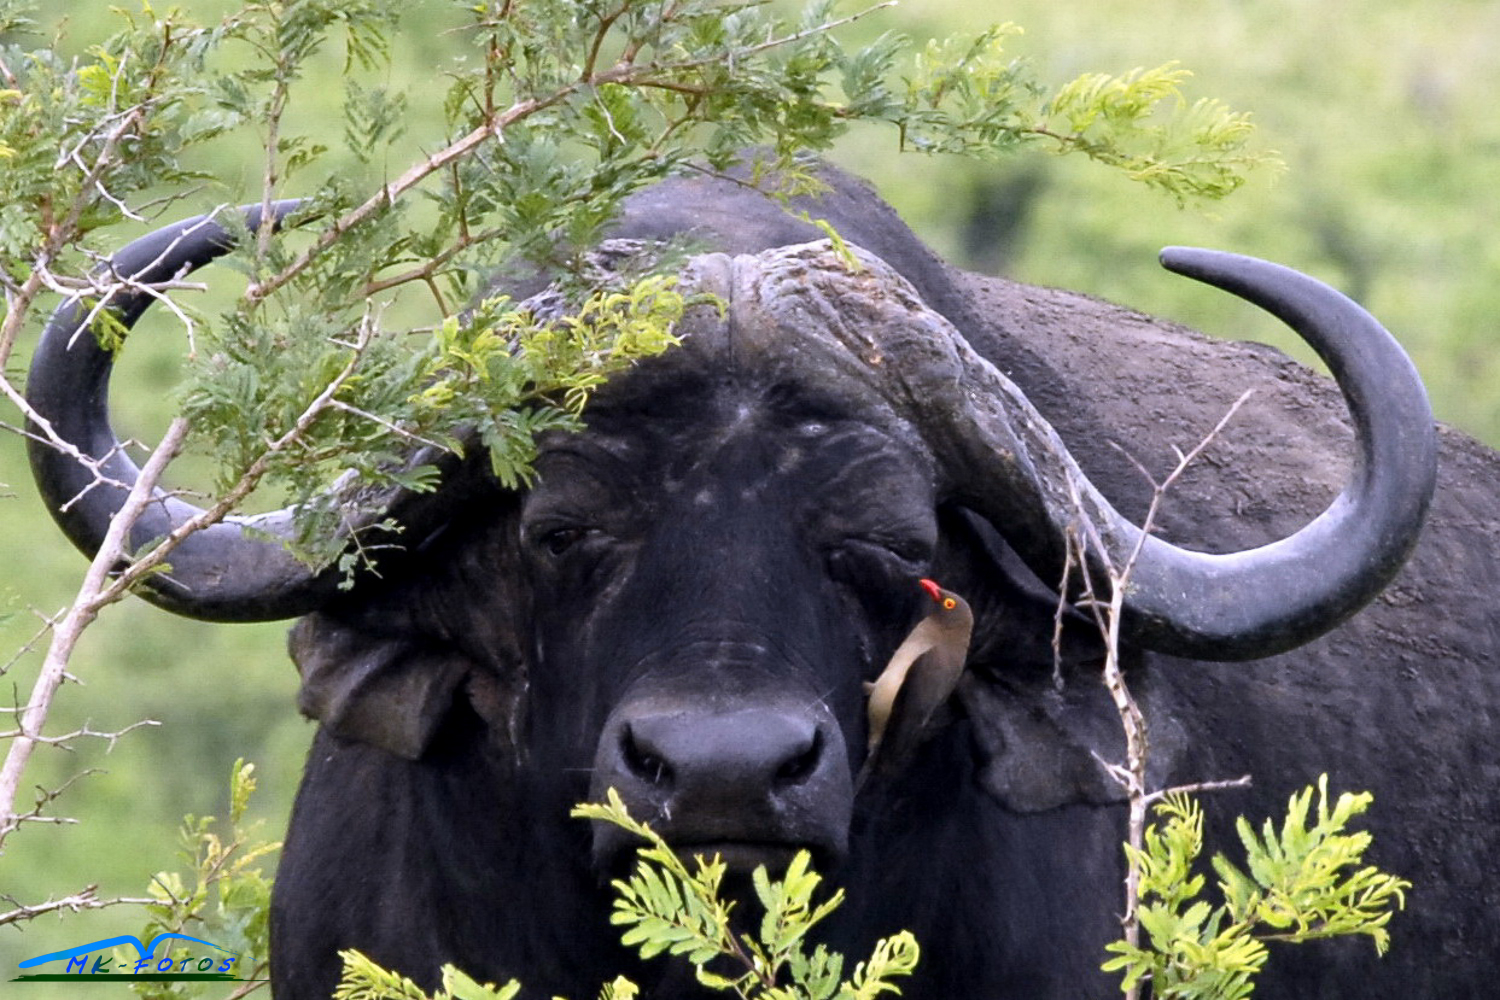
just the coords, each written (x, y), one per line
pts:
(933, 590)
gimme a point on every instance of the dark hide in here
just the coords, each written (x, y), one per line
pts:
(727, 539)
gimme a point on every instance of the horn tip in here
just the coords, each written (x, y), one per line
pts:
(1191, 261)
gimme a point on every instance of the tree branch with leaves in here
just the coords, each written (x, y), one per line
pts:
(1301, 883)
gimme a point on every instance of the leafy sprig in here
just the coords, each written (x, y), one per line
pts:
(671, 907)
(362, 979)
(1141, 123)
(1308, 882)
(223, 895)
(668, 907)
(1303, 882)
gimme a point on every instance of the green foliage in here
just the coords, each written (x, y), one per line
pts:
(362, 979)
(222, 897)
(1306, 882)
(668, 907)
(497, 359)
(561, 111)
(81, 136)
(499, 372)
(1381, 110)
(1303, 883)
(1152, 133)
(967, 97)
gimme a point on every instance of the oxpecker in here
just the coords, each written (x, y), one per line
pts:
(918, 680)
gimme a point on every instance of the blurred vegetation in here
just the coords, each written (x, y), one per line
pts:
(1380, 108)
(1383, 112)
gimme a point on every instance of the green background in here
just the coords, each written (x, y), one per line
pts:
(1382, 109)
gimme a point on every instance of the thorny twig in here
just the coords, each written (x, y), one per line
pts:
(62, 740)
(85, 607)
(44, 798)
(87, 899)
(1107, 614)
(105, 583)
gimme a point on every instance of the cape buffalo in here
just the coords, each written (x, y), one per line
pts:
(688, 603)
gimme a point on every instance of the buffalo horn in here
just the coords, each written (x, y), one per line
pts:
(1000, 457)
(231, 571)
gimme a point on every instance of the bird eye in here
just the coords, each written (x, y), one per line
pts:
(949, 603)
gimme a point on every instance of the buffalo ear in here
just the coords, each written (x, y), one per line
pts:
(1039, 715)
(385, 665)
(389, 691)
(1040, 744)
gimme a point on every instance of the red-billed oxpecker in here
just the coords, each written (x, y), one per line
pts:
(917, 681)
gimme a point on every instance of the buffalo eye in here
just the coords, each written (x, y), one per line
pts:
(556, 537)
(877, 566)
(559, 540)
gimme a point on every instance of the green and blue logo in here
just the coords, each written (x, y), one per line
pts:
(85, 964)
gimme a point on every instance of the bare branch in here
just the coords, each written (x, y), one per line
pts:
(1243, 781)
(87, 899)
(61, 741)
(393, 428)
(92, 595)
(1130, 775)
(44, 798)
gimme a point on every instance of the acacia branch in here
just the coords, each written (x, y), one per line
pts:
(57, 234)
(433, 264)
(133, 574)
(1108, 614)
(42, 277)
(605, 24)
(99, 590)
(393, 190)
(625, 72)
(92, 595)
(87, 899)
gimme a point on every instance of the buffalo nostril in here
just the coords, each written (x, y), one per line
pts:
(650, 767)
(801, 766)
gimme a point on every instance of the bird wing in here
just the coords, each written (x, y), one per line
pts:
(883, 692)
(918, 680)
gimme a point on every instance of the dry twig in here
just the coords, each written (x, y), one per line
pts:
(1107, 614)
